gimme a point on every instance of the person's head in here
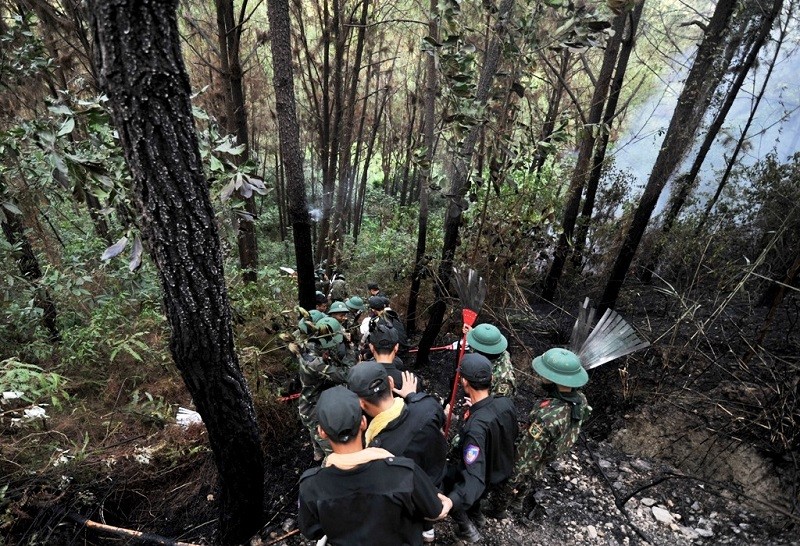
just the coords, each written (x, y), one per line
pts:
(487, 340)
(476, 372)
(339, 416)
(321, 301)
(373, 386)
(377, 304)
(373, 288)
(339, 311)
(383, 338)
(356, 305)
(315, 317)
(561, 367)
(329, 333)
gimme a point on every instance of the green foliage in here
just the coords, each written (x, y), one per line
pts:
(32, 383)
(152, 409)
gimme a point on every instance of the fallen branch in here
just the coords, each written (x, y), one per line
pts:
(148, 538)
(283, 537)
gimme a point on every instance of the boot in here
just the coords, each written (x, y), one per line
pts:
(466, 530)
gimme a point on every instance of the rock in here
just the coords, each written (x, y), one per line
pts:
(618, 485)
(625, 468)
(591, 532)
(703, 532)
(647, 501)
(688, 532)
(695, 506)
(602, 463)
(662, 516)
(641, 466)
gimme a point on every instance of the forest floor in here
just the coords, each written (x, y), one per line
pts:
(654, 465)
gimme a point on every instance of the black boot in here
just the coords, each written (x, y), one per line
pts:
(466, 530)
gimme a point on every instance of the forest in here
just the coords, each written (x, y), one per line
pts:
(177, 176)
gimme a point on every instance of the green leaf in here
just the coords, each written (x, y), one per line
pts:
(66, 127)
(61, 110)
(114, 249)
(216, 165)
(11, 207)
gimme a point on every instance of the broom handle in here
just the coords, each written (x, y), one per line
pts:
(461, 351)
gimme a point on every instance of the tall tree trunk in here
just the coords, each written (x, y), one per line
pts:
(685, 184)
(459, 183)
(693, 101)
(743, 136)
(229, 37)
(584, 161)
(431, 88)
(285, 105)
(139, 63)
(380, 104)
(582, 230)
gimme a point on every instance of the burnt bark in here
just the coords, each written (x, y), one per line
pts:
(28, 264)
(584, 161)
(459, 184)
(140, 67)
(289, 133)
(693, 101)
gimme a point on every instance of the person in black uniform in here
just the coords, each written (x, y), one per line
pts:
(408, 425)
(486, 447)
(383, 343)
(363, 496)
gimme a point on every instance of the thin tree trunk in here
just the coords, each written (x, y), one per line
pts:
(139, 62)
(693, 101)
(685, 184)
(459, 184)
(553, 109)
(582, 229)
(743, 136)
(431, 89)
(584, 161)
(285, 105)
(28, 264)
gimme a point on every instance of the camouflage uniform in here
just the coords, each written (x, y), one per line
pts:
(319, 370)
(503, 381)
(339, 291)
(554, 428)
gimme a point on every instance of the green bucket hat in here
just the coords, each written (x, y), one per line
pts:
(562, 367)
(355, 304)
(338, 307)
(315, 314)
(329, 332)
(487, 339)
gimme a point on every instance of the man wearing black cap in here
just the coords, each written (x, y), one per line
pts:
(486, 447)
(363, 496)
(408, 425)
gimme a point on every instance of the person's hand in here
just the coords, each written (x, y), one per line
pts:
(467, 402)
(466, 328)
(409, 385)
(447, 505)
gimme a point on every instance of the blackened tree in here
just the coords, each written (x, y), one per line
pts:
(140, 67)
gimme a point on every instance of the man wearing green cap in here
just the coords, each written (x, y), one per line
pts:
(363, 497)
(554, 424)
(323, 364)
(486, 339)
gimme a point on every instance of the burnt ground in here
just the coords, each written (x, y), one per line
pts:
(655, 465)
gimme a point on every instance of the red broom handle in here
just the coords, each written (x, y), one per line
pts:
(468, 316)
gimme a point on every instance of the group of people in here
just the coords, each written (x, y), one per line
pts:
(385, 477)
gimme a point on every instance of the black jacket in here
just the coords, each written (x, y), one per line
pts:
(380, 503)
(417, 434)
(487, 450)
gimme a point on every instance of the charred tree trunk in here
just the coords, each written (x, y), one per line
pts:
(582, 230)
(459, 184)
(140, 67)
(584, 161)
(285, 105)
(229, 37)
(431, 88)
(28, 265)
(693, 101)
(688, 182)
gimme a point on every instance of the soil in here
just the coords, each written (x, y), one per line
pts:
(649, 469)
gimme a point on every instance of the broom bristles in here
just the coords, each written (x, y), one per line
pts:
(470, 287)
(611, 338)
